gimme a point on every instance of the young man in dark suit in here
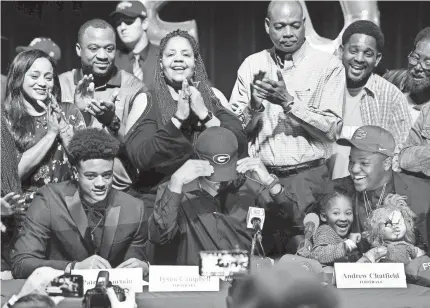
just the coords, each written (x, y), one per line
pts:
(85, 223)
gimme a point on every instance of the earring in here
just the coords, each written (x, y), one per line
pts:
(162, 74)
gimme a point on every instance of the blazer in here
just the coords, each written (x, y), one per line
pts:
(53, 233)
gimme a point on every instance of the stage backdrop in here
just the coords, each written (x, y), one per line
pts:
(228, 31)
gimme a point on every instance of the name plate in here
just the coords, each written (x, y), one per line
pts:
(126, 278)
(370, 275)
(180, 279)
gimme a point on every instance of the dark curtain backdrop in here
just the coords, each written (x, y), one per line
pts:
(228, 31)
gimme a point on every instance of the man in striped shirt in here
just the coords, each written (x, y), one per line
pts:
(290, 99)
(370, 99)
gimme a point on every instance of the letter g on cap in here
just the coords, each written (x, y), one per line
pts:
(221, 159)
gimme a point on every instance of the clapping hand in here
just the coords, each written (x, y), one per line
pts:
(273, 91)
(197, 103)
(84, 92)
(183, 109)
(10, 203)
(103, 111)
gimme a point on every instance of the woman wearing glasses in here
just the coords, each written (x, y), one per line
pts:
(180, 105)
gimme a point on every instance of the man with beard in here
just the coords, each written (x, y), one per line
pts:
(85, 223)
(290, 99)
(415, 81)
(370, 99)
(102, 92)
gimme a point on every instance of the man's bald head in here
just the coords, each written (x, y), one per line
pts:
(293, 6)
(285, 25)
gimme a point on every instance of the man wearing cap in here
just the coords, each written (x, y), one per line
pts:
(206, 201)
(139, 57)
(372, 178)
(102, 92)
(45, 44)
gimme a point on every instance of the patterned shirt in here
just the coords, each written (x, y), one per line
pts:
(55, 166)
(328, 247)
(384, 105)
(415, 156)
(316, 80)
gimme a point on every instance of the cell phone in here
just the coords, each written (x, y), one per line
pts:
(66, 286)
(224, 263)
(102, 279)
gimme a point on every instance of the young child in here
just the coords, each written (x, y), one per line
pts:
(333, 241)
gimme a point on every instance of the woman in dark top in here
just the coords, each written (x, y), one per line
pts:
(40, 127)
(181, 104)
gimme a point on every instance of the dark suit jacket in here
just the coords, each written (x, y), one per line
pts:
(54, 230)
(418, 192)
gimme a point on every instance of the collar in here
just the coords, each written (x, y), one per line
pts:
(143, 54)
(297, 56)
(370, 86)
(114, 81)
(389, 188)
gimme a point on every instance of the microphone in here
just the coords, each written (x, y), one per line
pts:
(255, 218)
(311, 222)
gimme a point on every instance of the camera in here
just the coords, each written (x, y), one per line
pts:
(224, 263)
(67, 286)
(97, 297)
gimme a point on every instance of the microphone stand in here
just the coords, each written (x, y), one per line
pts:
(256, 238)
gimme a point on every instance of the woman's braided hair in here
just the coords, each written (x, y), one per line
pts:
(164, 99)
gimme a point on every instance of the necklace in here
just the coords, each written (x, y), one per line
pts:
(367, 203)
(94, 229)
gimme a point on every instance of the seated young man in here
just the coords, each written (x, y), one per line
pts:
(83, 224)
(205, 203)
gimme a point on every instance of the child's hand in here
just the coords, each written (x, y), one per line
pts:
(355, 237)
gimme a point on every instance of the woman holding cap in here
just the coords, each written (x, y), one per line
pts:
(40, 126)
(180, 105)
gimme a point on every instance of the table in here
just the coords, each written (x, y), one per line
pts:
(412, 297)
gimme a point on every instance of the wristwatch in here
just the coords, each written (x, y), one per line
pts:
(208, 118)
(274, 182)
(114, 126)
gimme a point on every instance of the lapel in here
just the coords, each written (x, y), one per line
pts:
(400, 187)
(111, 224)
(76, 210)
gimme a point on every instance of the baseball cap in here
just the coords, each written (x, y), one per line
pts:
(219, 146)
(130, 8)
(45, 44)
(372, 139)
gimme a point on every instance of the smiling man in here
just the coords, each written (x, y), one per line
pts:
(102, 92)
(83, 224)
(372, 178)
(370, 99)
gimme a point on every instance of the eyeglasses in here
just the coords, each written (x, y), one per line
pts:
(127, 20)
(414, 60)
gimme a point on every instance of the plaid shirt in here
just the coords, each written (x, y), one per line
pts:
(384, 105)
(316, 80)
(415, 156)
